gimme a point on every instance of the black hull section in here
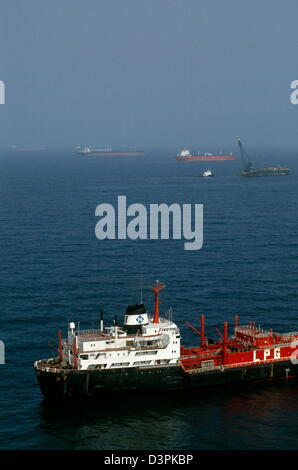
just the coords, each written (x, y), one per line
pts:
(71, 383)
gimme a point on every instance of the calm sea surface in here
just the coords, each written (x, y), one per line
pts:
(54, 269)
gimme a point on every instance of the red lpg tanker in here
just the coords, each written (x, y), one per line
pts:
(185, 155)
(144, 354)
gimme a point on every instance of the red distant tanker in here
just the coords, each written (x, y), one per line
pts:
(185, 155)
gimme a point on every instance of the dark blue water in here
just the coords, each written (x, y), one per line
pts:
(53, 269)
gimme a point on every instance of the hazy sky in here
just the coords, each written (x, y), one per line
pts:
(148, 73)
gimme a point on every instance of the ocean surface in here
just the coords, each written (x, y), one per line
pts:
(54, 270)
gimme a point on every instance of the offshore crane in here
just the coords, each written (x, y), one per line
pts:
(248, 169)
(245, 158)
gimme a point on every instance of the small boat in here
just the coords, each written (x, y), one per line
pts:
(207, 173)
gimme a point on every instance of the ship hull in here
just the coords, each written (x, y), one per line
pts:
(63, 383)
(195, 158)
(75, 383)
(256, 173)
(111, 154)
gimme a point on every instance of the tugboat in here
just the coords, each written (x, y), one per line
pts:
(206, 173)
(144, 354)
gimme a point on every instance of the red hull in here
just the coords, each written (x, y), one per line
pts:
(194, 158)
(249, 346)
(113, 154)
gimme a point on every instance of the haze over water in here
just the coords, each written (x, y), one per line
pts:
(148, 74)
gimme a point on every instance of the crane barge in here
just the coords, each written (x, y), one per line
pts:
(248, 169)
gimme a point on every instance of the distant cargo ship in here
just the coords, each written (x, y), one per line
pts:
(14, 148)
(185, 155)
(107, 152)
(248, 169)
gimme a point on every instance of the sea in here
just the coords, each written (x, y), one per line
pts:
(55, 270)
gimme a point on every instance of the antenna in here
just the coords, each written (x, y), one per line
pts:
(141, 290)
(101, 321)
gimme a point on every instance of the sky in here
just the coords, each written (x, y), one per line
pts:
(148, 73)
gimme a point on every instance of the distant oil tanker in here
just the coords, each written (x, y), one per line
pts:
(185, 155)
(109, 152)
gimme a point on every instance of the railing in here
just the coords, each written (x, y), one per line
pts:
(288, 337)
(164, 320)
(196, 367)
(252, 363)
(90, 331)
(253, 332)
(44, 368)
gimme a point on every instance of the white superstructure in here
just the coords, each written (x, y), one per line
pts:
(140, 342)
(184, 153)
(207, 173)
(85, 150)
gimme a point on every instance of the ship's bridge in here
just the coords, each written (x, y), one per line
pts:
(185, 153)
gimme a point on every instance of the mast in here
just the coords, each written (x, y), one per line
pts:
(202, 331)
(224, 344)
(156, 289)
(141, 290)
(60, 344)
